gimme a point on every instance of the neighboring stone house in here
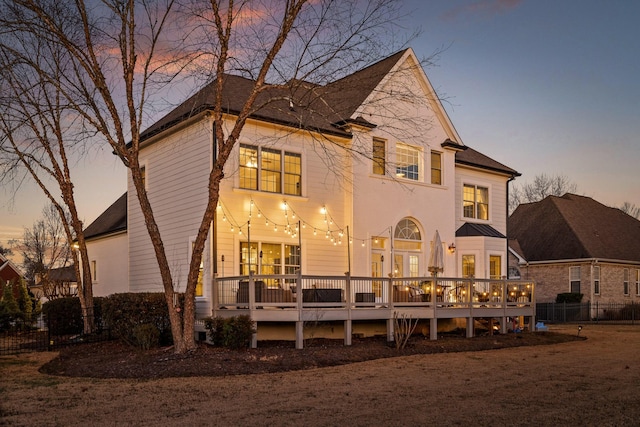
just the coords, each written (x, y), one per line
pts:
(311, 203)
(575, 244)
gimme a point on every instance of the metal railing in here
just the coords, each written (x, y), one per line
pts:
(588, 312)
(284, 291)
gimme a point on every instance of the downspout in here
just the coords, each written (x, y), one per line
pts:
(214, 237)
(513, 177)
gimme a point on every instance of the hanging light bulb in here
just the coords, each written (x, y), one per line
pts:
(224, 218)
(314, 232)
(323, 210)
(232, 229)
(363, 243)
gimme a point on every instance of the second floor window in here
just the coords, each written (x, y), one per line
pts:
(267, 169)
(475, 203)
(378, 157)
(436, 168)
(407, 162)
(596, 280)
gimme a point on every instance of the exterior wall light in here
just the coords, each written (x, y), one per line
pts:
(452, 248)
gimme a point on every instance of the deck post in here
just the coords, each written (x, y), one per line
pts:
(347, 323)
(254, 338)
(300, 321)
(299, 334)
(433, 329)
(470, 327)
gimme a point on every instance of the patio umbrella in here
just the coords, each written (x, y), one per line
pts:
(436, 258)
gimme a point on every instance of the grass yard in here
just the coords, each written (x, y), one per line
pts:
(594, 381)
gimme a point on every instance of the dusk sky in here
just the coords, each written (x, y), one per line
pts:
(542, 86)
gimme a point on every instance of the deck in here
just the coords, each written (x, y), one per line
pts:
(302, 298)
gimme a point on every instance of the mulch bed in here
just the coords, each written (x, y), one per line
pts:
(114, 359)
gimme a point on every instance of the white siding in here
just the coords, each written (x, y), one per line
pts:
(112, 264)
(177, 170)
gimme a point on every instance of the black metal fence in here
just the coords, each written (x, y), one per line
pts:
(40, 336)
(588, 312)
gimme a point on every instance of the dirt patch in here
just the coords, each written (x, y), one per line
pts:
(116, 360)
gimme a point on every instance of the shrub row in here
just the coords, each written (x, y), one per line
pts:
(139, 319)
(233, 332)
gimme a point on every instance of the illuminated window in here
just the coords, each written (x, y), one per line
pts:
(200, 280)
(292, 174)
(266, 169)
(407, 236)
(379, 156)
(407, 162)
(475, 202)
(269, 259)
(468, 266)
(495, 266)
(436, 168)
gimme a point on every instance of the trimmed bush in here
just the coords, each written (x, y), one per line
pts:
(569, 297)
(123, 313)
(63, 316)
(215, 325)
(232, 332)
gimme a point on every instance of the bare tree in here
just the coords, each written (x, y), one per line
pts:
(39, 133)
(118, 55)
(631, 209)
(543, 185)
(44, 245)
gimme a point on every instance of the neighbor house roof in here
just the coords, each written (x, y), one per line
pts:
(471, 157)
(112, 220)
(574, 227)
(8, 270)
(63, 274)
(300, 104)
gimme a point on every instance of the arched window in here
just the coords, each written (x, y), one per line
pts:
(407, 229)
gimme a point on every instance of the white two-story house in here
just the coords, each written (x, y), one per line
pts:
(359, 177)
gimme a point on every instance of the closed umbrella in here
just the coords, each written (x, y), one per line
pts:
(436, 258)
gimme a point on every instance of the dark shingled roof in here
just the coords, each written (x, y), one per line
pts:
(574, 227)
(298, 104)
(63, 274)
(113, 220)
(471, 229)
(471, 157)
